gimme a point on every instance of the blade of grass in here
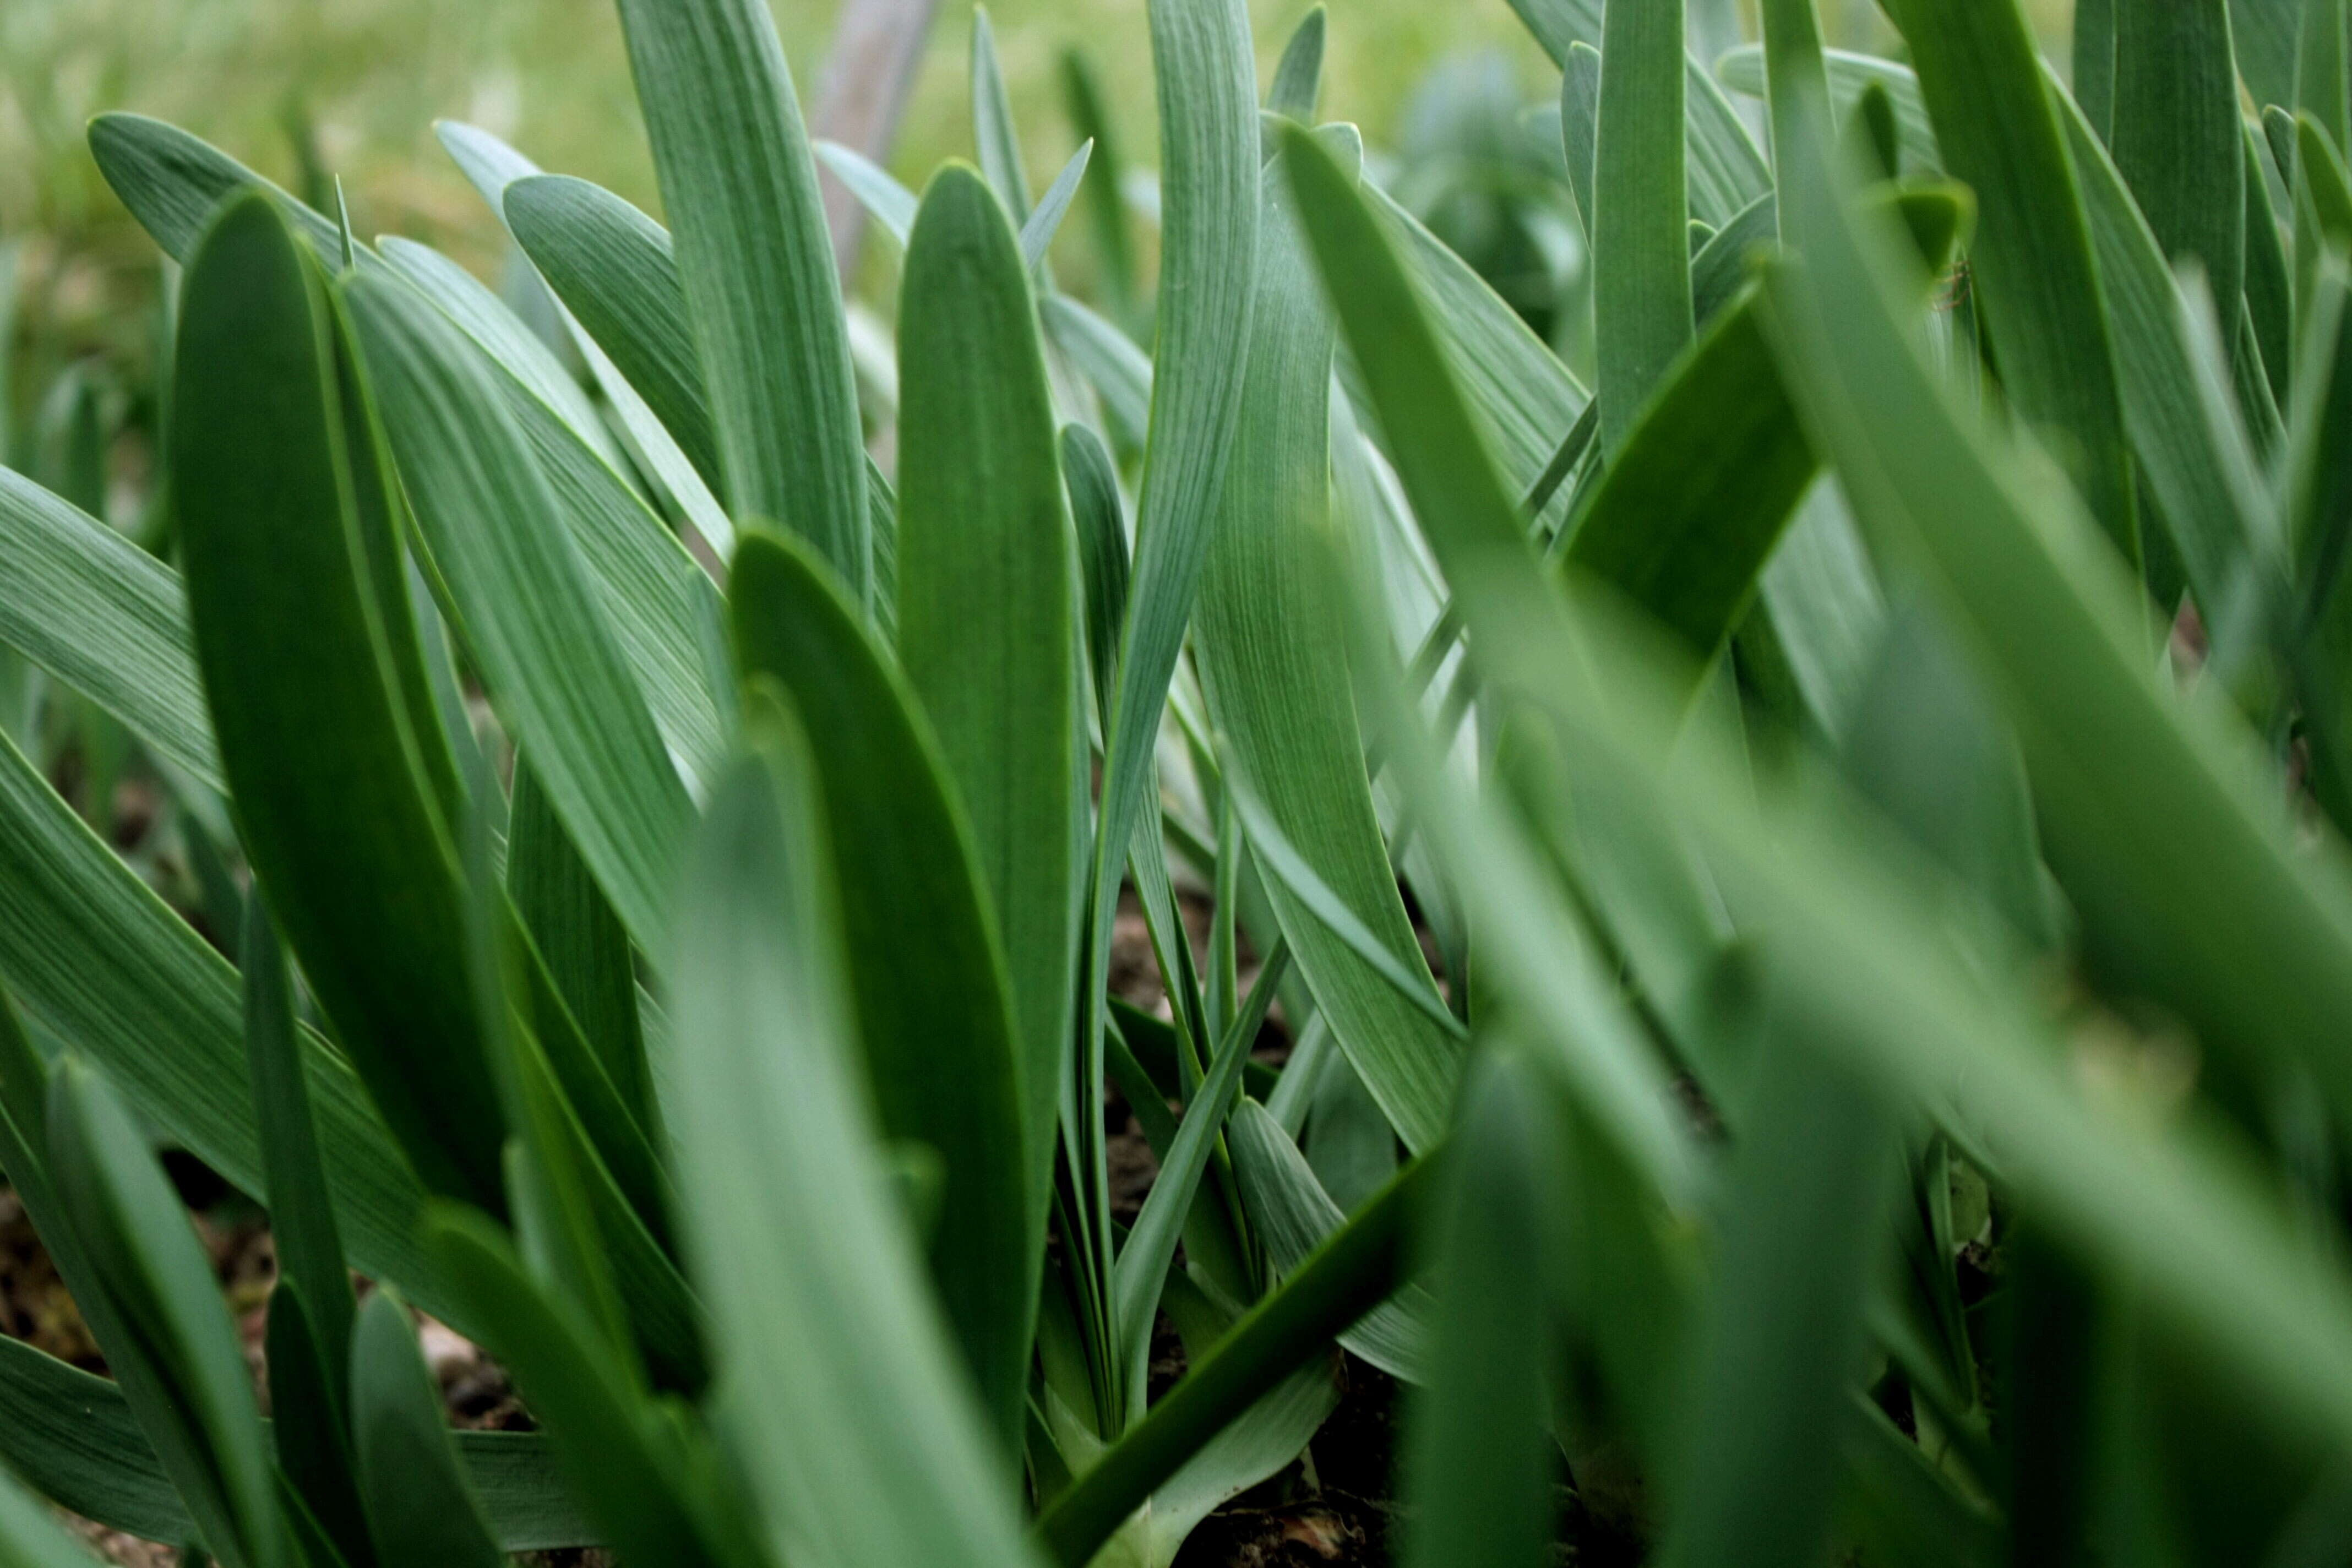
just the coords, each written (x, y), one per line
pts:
(2179, 138)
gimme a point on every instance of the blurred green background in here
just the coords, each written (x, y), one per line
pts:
(1442, 89)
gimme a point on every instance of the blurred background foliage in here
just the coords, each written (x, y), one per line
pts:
(1451, 95)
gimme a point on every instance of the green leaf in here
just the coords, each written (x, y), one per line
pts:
(324, 759)
(1100, 518)
(1526, 400)
(1291, 1212)
(1726, 169)
(928, 970)
(175, 1350)
(526, 603)
(2153, 798)
(847, 1415)
(582, 941)
(1479, 1465)
(30, 1537)
(656, 595)
(1803, 1225)
(309, 1431)
(494, 168)
(1106, 204)
(994, 135)
(2263, 31)
(1695, 500)
(73, 1438)
(761, 290)
(104, 960)
(1352, 1272)
(1143, 1260)
(1298, 74)
(886, 201)
(2032, 260)
(307, 1243)
(1473, 526)
(614, 1450)
(419, 1506)
(1641, 252)
(1266, 625)
(2093, 57)
(1044, 220)
(104, 617)
(1207, 88)
(2179, 138)
(988, 593)
(1579, 124)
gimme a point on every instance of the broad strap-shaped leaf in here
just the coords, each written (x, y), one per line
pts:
(1640, 248)
(107, 618)
(613, 1447)
(1479, 1465)
(175, 1350)
(1693, 504)
(757, 268)
(494, 167)
(843, 1390)
(103, 960)
(284, 510)
(988, 595)
(72, 1438)
(2179, 137)
(660, 604)
(525, 602)
(311, 1432)
(2149, 810)
(308, 1242)
(1527, 400)
(1267, 629)
(1802, 1224)
(608, 262)
(420, 1508)
(582, 941)
(927, 969)
(2032, 260)
(1473, 525)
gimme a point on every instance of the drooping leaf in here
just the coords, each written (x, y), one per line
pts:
(105, 617)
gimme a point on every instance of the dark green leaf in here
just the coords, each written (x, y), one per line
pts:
(926, 966)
